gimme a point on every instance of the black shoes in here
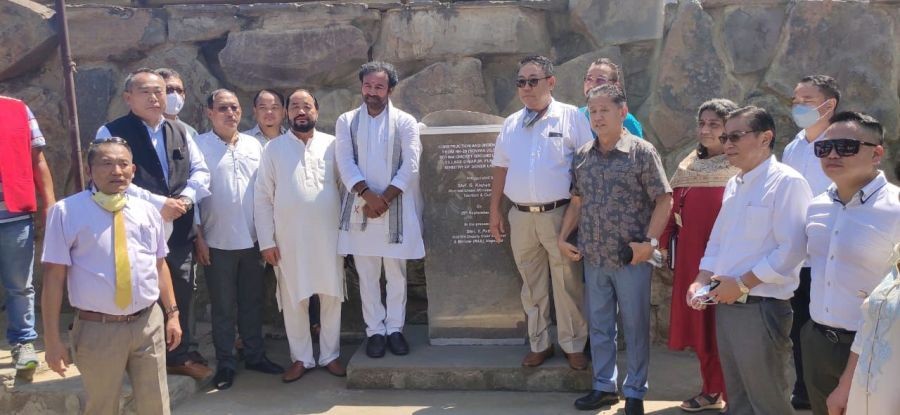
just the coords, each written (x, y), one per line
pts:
(596, 400)
(224, 378)
(265, 366)
(375, 346)
(397, 343)
(634, 406)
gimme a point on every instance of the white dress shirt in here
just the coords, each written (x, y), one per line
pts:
(198, 178)
(539, 158)
(79, 235)
(850, 249)
(760, 228)
(227, 214)
(800, 156)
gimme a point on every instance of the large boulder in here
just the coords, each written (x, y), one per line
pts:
(201, 22)
(95, 88)
(712, 4)
(751, 36)
(690, 73)
(28, 36)
(616, 22)
(439, 32)
(308, 56)
(102, 33)
(332, 104)
(456, 85)
(853, 42)
(570, 75)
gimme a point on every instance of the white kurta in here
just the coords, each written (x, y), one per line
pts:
(297, 204)
(377, 174)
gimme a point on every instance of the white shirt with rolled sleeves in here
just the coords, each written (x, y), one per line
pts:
(227, 214)
(761, 228)
(539, 158)
(198, 179)
(850, 249)
(79, 234)
(799, 154)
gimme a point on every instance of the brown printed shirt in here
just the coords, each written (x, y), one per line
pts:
(618, 191)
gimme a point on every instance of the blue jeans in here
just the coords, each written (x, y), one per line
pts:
(628, 290)
(16, 265)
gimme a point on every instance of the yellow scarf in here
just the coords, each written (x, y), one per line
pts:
(115, 204)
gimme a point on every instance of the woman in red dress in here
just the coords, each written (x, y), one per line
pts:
(697, 186)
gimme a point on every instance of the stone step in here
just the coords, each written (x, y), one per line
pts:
(462, 368)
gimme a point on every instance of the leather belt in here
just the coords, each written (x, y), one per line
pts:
(110, 318)
(834, 334)
(753, 299)
(542, 208)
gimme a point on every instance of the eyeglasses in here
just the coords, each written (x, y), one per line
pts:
(735, 136)
(532, 82)
(845, 147)
(596, 81)
(171, 89)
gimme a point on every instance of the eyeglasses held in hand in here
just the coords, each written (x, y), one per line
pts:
(845, 147)
(735, 136)
(532, 82)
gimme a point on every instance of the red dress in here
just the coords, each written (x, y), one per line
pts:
(698, 207)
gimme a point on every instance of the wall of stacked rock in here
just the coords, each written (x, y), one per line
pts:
(461, 55)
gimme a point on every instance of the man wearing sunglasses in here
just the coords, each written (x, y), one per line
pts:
(851, 231)
(601, 72)
(755, 251)
(532, 158)
(816, 98)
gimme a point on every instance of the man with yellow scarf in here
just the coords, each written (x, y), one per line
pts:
(110, 249)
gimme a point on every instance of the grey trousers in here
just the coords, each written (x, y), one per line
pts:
(755, 350)
(236, 285)
(823, 363)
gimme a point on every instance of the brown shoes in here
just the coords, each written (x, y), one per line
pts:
(577, 360)
(190, 368)
(336, 368)
(294, 372)
(534, 359)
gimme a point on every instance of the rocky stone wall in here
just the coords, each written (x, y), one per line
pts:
(461, 55)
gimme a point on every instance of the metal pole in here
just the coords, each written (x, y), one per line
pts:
(71, 104)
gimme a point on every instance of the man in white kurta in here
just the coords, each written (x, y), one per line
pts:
(296, 210)
(377, 152)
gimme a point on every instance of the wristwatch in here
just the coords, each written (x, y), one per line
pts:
(187, 201)
(653, 242)
(740, 283)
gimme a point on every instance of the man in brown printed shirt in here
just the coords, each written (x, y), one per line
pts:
(620, 203)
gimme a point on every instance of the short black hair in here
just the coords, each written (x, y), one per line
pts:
(167, 73)
(130, 78)
(864, 121)
(827, 85)
(379, 66)
(278, 96)
(611, 91)
(617, 74)
(315, 100)
(759, 120)
(211, 98)
(95, 145)
(542, 62)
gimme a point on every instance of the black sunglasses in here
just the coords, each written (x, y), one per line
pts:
(845, 147)
(532, 82)
(735, 136)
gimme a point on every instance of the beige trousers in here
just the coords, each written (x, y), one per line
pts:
(533, 239)
(296, 325)
(104, 352)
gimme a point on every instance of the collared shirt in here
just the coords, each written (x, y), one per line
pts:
(618, 191)
(227, 214)
(850, 249)
(800, 156)
(539, 158)
(37, 141)
(198, 180)
(761, 229)
(257, 133)
(79, 235)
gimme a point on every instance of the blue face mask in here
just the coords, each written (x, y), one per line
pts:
(805, 115)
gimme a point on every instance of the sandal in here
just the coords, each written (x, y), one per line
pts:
(703, 402)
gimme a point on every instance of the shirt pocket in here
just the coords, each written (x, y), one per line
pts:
(817, 235)
(757, 222)
(147, 241)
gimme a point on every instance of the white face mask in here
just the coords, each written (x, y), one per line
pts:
(174, 103)
(806, 115)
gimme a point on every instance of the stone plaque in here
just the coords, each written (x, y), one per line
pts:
(472, 282)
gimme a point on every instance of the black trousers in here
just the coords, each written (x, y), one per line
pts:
(181, 265)
(236, 277)
(825, 360)
(800, 305)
